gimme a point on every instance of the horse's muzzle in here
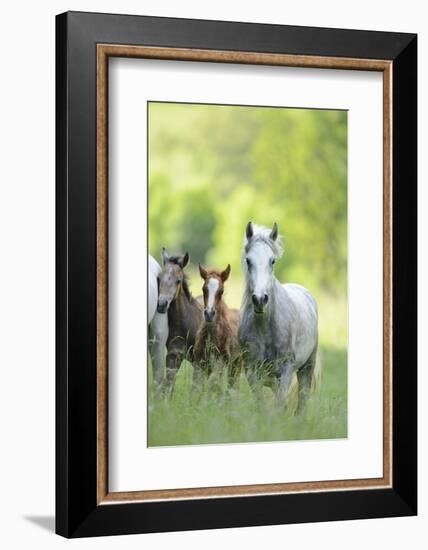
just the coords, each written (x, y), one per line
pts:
(209, 315)
(162, 306)
(259, 302)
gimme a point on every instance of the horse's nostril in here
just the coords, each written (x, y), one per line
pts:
(254, 298)
(162, 305)
(209, 314)
(265, 299)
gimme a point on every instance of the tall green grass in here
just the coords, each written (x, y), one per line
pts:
(214, 414)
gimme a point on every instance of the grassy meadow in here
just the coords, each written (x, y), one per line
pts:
(218, 415)
(211, 170)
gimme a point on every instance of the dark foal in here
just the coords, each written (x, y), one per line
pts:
(184, 313)
(218, 334)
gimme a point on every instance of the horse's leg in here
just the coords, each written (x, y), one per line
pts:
(286, 373)
(233, 372)
(304, 378)
(197, 375)
(173, 361)
(255, 377)
(198, 358)
(158, 338)
(230, 364)
(152, 354)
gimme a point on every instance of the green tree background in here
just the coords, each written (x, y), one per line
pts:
(212, 168)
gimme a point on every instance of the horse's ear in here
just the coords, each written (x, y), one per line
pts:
(249, 231)
(184, 260)
(274, 233)
(165, 256)
(225, 274)
(203, 272)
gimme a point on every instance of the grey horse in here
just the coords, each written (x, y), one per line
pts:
(158, 324)
(279, 322)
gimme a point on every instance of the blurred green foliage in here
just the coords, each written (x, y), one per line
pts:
(213, 168)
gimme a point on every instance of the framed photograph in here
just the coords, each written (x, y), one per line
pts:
(236, 274)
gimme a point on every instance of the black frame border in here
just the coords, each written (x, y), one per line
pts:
(77, 512)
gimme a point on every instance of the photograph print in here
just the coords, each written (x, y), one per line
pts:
(247, 274)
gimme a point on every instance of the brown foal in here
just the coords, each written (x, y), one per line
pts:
(218, 334)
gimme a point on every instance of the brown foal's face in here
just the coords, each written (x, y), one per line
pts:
(212, 289)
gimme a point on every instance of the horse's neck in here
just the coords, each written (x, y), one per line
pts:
(279, 288)
(180, 303)
(221, 311)
(280, 298)
(180, 308)
(223, 321)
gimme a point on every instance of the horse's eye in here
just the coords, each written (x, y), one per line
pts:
(220, 292)
(273, 261)
(248, 263)
(178, 281)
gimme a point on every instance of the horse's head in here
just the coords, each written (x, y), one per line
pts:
(170, 279)
(262, 248)
(213, 290)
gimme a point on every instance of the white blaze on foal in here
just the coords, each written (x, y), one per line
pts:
(213, 285)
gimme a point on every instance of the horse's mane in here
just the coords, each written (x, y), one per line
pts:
(261, 234)
(186, 289)
(175, 259)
